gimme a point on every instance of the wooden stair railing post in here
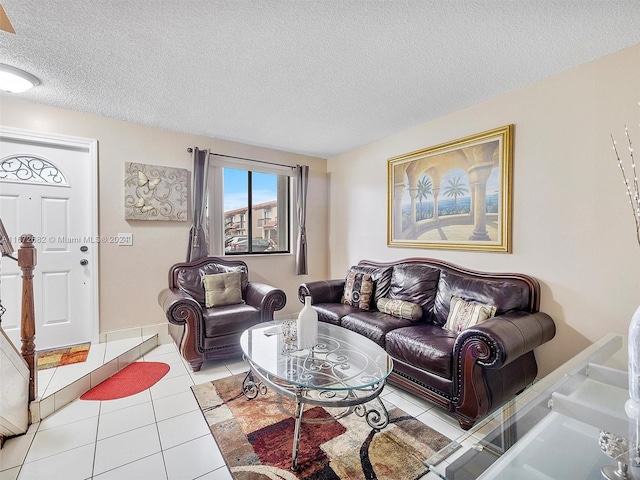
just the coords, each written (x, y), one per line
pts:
(27, 261)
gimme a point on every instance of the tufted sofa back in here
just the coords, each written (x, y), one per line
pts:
(431, 283)
(189, 279)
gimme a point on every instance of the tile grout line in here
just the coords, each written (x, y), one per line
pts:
(95, 444)
(126, 463)
(155, 417)
(22, 464)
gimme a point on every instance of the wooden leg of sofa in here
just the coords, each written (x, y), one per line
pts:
(196, 365)
(465, 424)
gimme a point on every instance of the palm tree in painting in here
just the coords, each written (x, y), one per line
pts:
(424, 190)
(455, 189)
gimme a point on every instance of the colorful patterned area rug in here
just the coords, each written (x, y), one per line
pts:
(256, 437)
(63, 356)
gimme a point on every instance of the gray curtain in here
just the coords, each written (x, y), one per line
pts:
(302, 175)
(197, 236)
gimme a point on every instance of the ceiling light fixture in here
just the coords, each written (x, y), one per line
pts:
(14, 80)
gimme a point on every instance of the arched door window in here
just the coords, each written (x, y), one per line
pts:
(31, 169)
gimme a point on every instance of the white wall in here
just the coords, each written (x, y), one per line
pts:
(572, 226)
(131, 277)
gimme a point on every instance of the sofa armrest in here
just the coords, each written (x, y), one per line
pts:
(179, 306)
(507, 337)
(322, 291)
(186, 312)
(265, 298)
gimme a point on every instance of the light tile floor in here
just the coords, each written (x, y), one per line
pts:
(158, 434)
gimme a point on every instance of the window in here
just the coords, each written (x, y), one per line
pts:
(247, 201)
(29, 169)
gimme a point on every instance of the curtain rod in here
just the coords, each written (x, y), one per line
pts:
(190, 150)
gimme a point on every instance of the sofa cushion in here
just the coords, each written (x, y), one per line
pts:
(189, 279)
(229, 319)
(373, 324)
(505, 295)
(425, 346)
(400, 308)
(463, 314)
(333, 312)
(222, 289)
(358, 288)
(415, 283)
(381, 277)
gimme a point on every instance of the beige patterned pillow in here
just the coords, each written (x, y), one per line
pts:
(222, 289)
(463, 314)
(358, 289)
(400, 308)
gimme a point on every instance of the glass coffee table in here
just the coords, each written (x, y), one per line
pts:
(571, 424)
(344, 370)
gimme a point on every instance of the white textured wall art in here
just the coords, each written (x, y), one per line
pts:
(153, 192)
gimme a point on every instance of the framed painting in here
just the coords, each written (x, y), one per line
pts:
(456, 195)
(153, 192)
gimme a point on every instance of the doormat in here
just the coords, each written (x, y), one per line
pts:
(59, 357)
(132, 379)
(256, 437)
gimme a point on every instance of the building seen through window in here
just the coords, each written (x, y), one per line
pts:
(256, 207)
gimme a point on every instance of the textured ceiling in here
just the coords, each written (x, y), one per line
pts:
(316, 77)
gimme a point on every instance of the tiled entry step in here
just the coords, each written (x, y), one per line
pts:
(61, 385)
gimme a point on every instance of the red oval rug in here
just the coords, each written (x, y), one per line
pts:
(130, 380)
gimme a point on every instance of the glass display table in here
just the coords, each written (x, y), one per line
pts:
(569, 425)
(343, 369)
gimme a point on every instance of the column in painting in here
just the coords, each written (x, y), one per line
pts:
(413, 194)
(478, 176)
(398, 192)
(435, 191)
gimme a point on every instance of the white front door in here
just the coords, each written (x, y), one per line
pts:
(48, 187)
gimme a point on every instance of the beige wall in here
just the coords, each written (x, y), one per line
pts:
(572, 225)
(131, 277)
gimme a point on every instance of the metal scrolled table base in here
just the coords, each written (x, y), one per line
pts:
(377, 418)
(251, 389)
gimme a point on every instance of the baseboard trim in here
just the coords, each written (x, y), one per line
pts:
(160, 329)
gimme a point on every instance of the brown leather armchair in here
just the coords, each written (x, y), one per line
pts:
(203, 333)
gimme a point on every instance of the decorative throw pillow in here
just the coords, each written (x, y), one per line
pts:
(222, 289)
(358, 288)
(463, 314)
(400, 308)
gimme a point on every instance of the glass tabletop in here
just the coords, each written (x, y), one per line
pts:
(558, 428)
(341, 360)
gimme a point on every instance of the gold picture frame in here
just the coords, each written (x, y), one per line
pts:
(432, 194)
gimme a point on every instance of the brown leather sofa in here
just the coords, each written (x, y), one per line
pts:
(469, 373)
(208, 333)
